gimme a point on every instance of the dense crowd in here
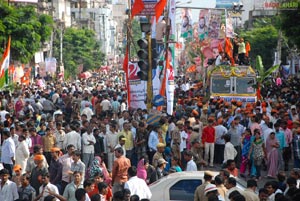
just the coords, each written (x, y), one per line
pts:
(80, 141)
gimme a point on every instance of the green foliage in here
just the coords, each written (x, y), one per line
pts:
(27, 28)
(136, 34)
(263, 41)
(290, 25)
(262, 72)
(79, 47)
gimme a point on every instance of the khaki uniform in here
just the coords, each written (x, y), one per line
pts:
(250, 195)
(199, 192)
(156, 157)
(176, 138)
(198, 156)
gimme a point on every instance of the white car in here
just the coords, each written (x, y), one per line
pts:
(180, 186)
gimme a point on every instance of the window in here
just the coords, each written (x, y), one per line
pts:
(220, 85)
(245, 86)
(184, 189)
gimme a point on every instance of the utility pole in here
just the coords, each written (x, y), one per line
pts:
(149, 82)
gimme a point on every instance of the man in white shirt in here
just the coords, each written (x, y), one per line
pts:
(73, 138)
(191, 165)
(8, 151)
(105, 104)
(8, 189)
(136, 185)
(220, 143)
(46, 188)
(229, 151)
(88, 150)
(87, 111)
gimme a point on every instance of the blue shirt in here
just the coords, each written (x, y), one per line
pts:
(280, 137)
(153, 141)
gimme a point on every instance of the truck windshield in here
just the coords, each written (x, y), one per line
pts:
(220, 85)
(245, 85)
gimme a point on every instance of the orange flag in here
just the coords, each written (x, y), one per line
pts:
(220, 48)
(248, 48)
(138, 7)
(159, 8)
(228, 47)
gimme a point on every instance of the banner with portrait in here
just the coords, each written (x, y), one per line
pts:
(216, 29)
(186, 23)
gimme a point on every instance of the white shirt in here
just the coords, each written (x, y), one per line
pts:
(2, 114)
(229, 152)
(183, 136)
(9, 191)
(88, 148)
(8, 151)
(106, 105)
(191, 166)
(138, 187)
(50, 187)
(88, 112)
(112, 140)
(73, 138)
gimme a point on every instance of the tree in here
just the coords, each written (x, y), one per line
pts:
(79, 47)
(289, 25)
(135, 34)
(28, 30)
(263, 40)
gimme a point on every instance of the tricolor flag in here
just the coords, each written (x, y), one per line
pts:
(5, 64)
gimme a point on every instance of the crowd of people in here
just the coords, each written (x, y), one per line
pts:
(80, 141)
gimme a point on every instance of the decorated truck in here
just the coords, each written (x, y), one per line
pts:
(233, 82)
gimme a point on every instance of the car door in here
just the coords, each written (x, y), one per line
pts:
(183, 189)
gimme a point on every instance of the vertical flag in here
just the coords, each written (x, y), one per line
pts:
(159, 8)
(138, 6)
(5, 64)
(248, 49)
(125, 68)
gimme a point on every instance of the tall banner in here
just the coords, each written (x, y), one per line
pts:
(137, 87)
(50, 65)
(214, 28)
(229, 27)
(201, 27)
(170, 89)
(172, 18)
(187, 22)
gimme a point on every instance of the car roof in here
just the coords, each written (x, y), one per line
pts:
(189, 175)
(183, 175)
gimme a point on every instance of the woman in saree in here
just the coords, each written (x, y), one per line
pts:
(272, 146)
